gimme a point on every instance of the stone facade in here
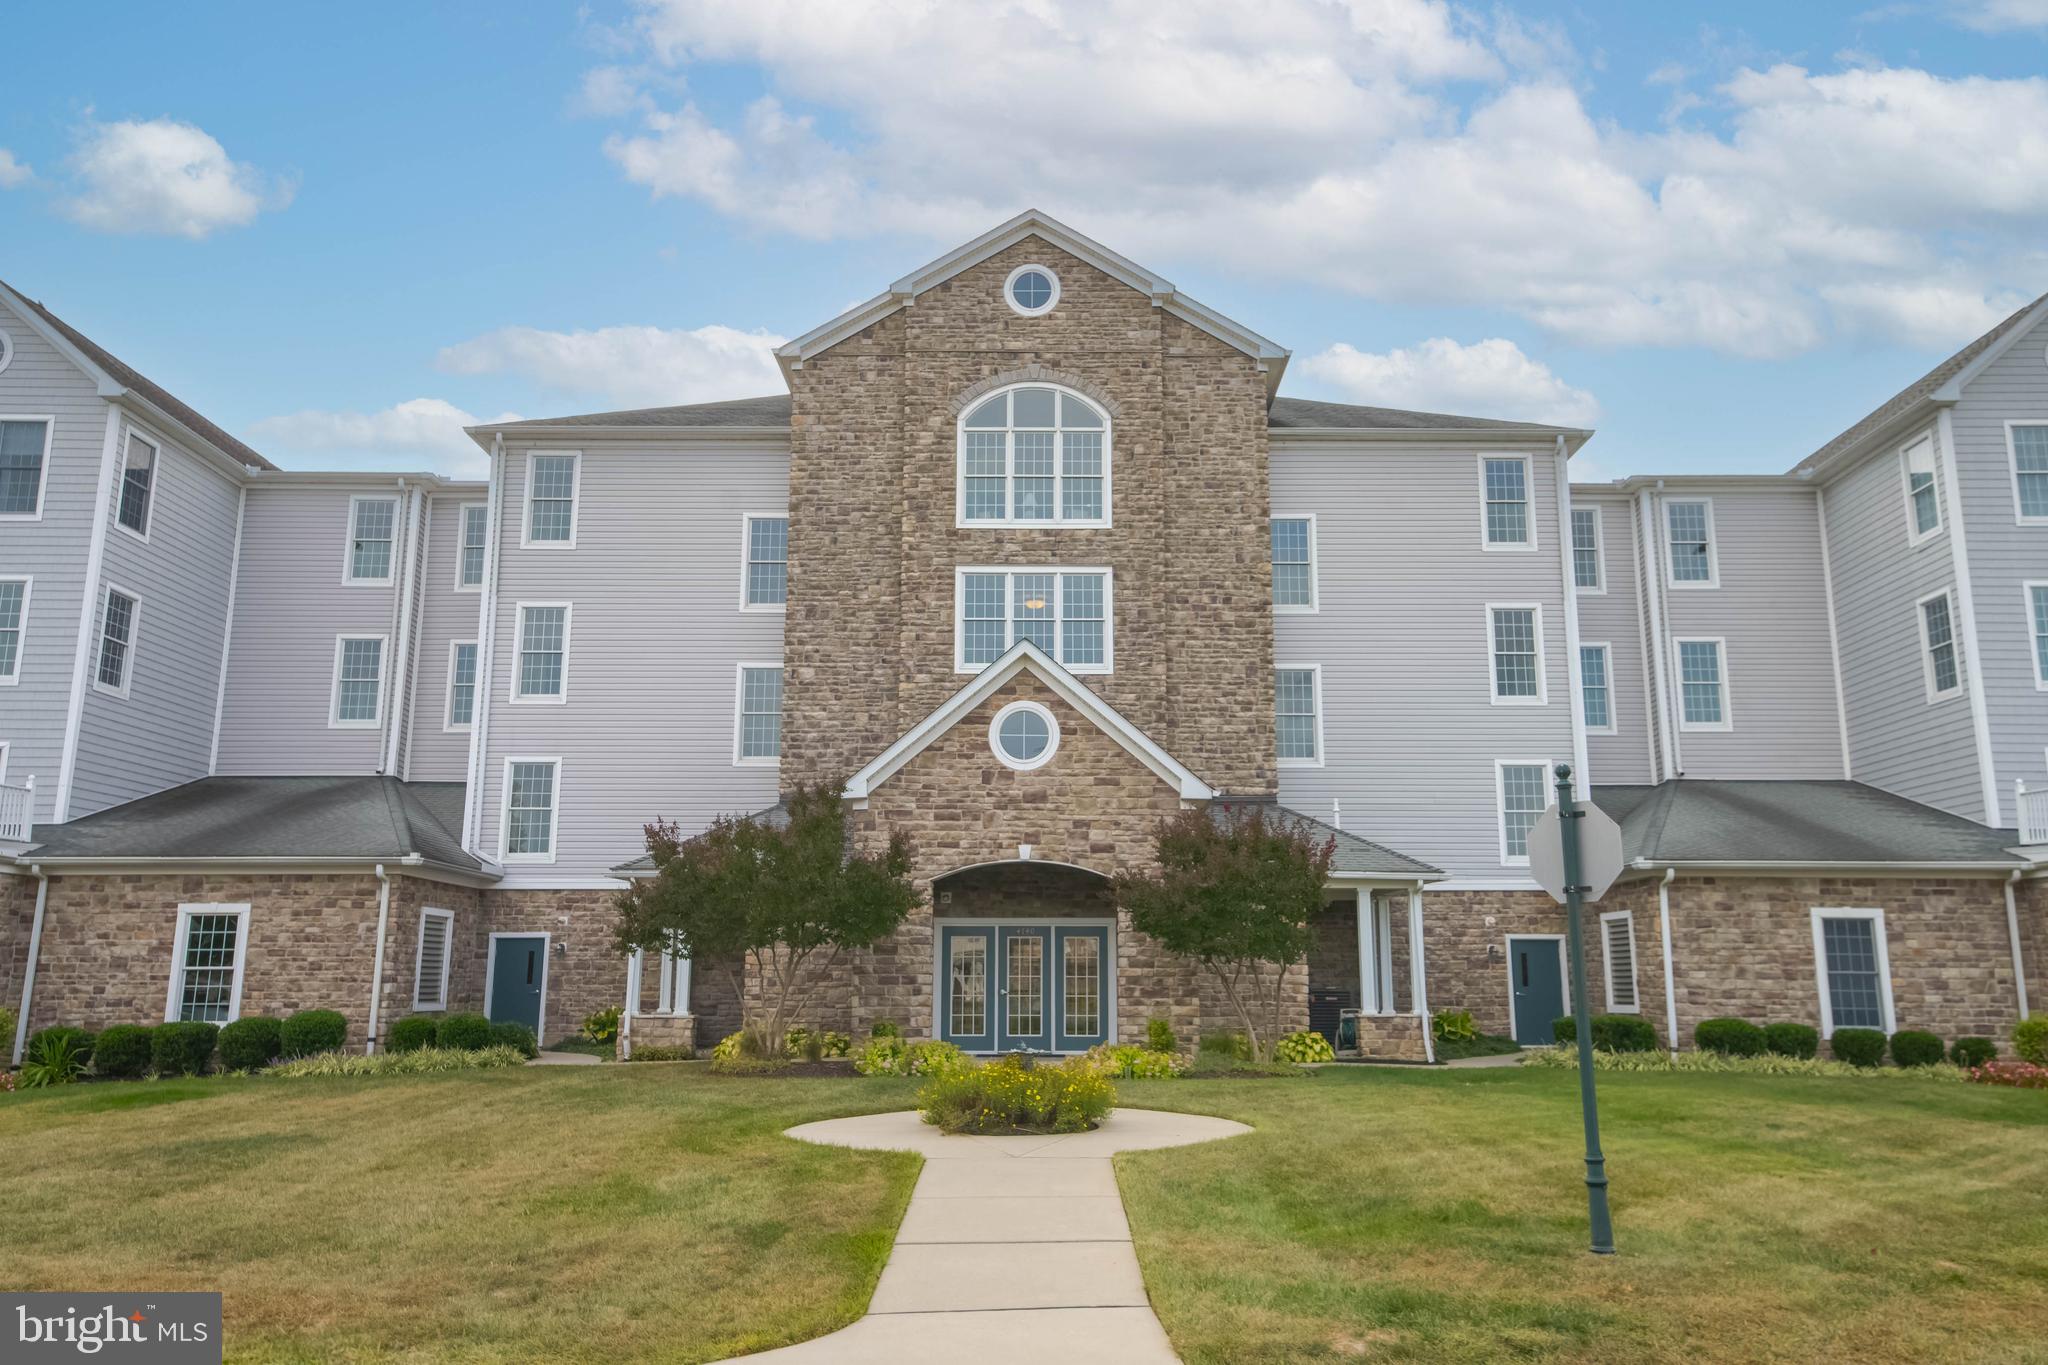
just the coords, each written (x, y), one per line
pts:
(2030, 902)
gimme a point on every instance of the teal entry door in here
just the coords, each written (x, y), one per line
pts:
(1009, 987)
(1536, 975)
(519, 975)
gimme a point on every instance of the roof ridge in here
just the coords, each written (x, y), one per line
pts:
(394, 805)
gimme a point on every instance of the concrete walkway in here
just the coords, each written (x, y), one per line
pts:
(1014, 1249)
(547, 1058)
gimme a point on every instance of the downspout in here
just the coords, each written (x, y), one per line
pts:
(486, 655)
(1664, 934)
(377, 971)
(35, 945)
(633, 965)
(1573, 664)
(1418, 976)
(397, 716)
(2012, 929)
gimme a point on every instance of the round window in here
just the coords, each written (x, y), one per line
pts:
(1032, 290)
(1024, 735)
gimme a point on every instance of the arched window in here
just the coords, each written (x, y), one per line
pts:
(1034, 455)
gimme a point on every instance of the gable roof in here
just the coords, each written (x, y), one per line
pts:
(1354, 859)
(115, 375)
(1026, 657)
(1311, 414)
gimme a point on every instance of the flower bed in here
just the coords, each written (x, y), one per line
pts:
(1009, 1095)
(1128, 1061)
(2022, 1075)
(419, 1061)
(1567, 1058)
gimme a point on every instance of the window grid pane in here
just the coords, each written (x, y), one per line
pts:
(1941, 645)
(768, 561)
(1522, 800)
(1699, 676)
(137, 471)
(1854, 997)
(1022, 458)
(362, 671)
(1035, 609)
(462, 686)
(1083, 986)
(1593, 681)
(1295, 713)
(554, 498)
(1293, 582)
(1586, 547)
(1082, 627)
(1026, 994)
(476, 524)
(370, 549)
(530, 809)
(116, 625)
(541, 634)
(13, 592)
(968, 1009)
(207, 983)
(2038, 597)
(984, 624)
(2030, 459)
(1069, 621)
(761, 713)
(21, 466)
(1514, 652)
(1691, 552)
(1507, 503)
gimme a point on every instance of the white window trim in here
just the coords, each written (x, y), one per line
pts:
(1607, 656)
(1727, 721)
(505, 814)
(1542, 697)
(1019, 309)
(1063, 572)
(1955, 645)
(526, 540)
(129, 436)
(1599, 588)
(513, 695)
(1713, 578)
(1528, 502)
(419, 954)
(6, 349)
(28, 591)
(50, 438)
(1500, 809)
(99, 642)
(1055, 523)
(747, 520)
(1316, 676)
(178, 942)
(2012, 465)
(1315, 566)
(2027, 591)
(1914, 535)
(334, 720)
(461, 537)
(1820, 965)
(5, 749)
(348, 542)
(739, 719)
(448, 723)
(1607, 962)
(1052, 743)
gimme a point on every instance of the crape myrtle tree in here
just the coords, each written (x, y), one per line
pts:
(1237, 891)
(774, 903)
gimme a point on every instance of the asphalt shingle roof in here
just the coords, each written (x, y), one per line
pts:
(1298, 413)
(769, 411)
(1354, 857)
(1701, 820)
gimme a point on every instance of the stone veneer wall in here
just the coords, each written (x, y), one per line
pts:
(17, 915)
(2030, 899)
(466, 941)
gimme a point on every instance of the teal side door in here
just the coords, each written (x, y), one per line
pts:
(519, 973)
(1537, 973)
(1081, 995)
(1024, 987)
(967, 1015)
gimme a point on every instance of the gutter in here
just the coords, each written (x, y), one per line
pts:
(1664, 933)
(2012, 929)
(1791, 868)
(35, 946)
(82, 865)
(377, 968)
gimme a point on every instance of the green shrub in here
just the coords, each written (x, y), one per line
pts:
(1968, 1052)
(82, 1039)
(414, 1032)
(1913, 1047)
(603, 1026)
(729, 1047)
(662, 1052)
(1159, 1034)
(1126, 1061)
(885, 1028)
(516, 1036)
(55, 1056)
(9, 1020)
(1564, 1030)
(1230, 1044)
(816, 1044)
(420, 1061)
(1792, 1040)
(1729, 1037)
(251, 1043)
(1623, 1033)
(1305, 1045)
(183, 1049)
(2030, 1039)
(1766, 1065)
(121, 1052)
(1006, 1096)
(747, 1064)
(1858, 1046)
(311, 1031)
(463, 1031)
(894, 1057)
(1454, 1026)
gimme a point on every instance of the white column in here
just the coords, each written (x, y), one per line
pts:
(1383, 969)
(1416, 973)
(1368, 955)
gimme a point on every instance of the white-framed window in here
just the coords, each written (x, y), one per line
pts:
(2037, 628)
(1596, 687)
(206, 964)
(1068, 613)
(1923, 501)
(1032, 290)
(6, 348)
(1505, 519)
(24, 465)
(120, 622)
(532, 789)
(1589, 567)
(372, 540)
(475, 518)
(1940, 667)
(1294, 563)
(757, 716)
(1521, 791)
(1024, 735)
(1298, 716)
(1033, 455)
(358, 702)
(430, 960)
(1689, 534)
(764, 563)
(14, 599)
(1702, 668)
(461, 712)
(1514, 635)
(554, 482)
(542, 674)
(2027, 444)
(1618, 939)
(138, 485)
(5, 748)
(1853, 970)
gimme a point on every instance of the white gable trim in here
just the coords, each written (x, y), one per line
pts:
(108, 386)
(1022, 657)
(1951, 391)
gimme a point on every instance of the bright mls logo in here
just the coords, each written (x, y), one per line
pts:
(167, 1329)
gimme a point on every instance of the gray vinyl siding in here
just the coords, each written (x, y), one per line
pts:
(40, 381)
(433, 753)
(1898, 740)
(161, 734)
(1771, 611)
(655, 639)
(289, 607)
(2004, 555)
(1410, 733)
(1613, 617)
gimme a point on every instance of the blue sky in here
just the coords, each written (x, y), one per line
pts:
(1719, 234)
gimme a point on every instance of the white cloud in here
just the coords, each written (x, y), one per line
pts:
(424, 429)
(632, 366)
(13, 174)
(1931, 315)
(1999, 16)
(166, 177)
(1491, 378)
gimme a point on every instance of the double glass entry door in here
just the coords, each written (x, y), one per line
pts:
(1008, 986)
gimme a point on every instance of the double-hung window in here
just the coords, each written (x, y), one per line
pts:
(1294, 563)
(430, 960)
(1942, 673)
(1923, 503)
(461, 685)
(372, 529)
(120, 616)
(1504, 489)
(2029, 445)
(1618, 938)
(531, 791)
(757, 716)
(1034, 456)
(138, 480)
(1852, 969)
(1521, 792)
(543, 671)
(358, 682)
(1595, 688)
(13, 627)
(2037, 626)
(1298, 717)
(552, 481)
(1065, 612)
(766, 566)
(1702, 685)
(206, 966)
(476, 532)
(1689, 532)
(24, 457)
(1587, 568)
(1515, 636)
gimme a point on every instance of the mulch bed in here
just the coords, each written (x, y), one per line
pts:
(795, 1071)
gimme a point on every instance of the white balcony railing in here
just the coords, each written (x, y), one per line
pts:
(2032, 805)
(17, 811)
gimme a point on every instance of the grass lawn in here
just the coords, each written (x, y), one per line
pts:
(653, 1213)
